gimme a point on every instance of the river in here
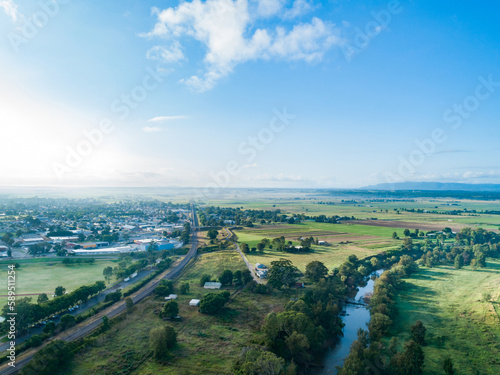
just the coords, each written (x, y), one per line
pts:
(354, 318)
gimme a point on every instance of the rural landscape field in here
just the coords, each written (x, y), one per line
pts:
(249, 187)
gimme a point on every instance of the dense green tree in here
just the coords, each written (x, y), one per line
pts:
(50, 359)
(226, 278)
(165, 288)
(161, 339)
(213, 303)
(410, 361)
(204, 279)
(68, 321)
(418, 332)
(459, 261)
(253, 361)
(316, 270)
(238, 277)
(282, 273)
(170, 309)
(246, 276)
(107, 273)
(42, 298)
(59, 291)
(184, 288)
(212, 234)
(244, 248)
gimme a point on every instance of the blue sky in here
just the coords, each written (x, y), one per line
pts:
(193, 93)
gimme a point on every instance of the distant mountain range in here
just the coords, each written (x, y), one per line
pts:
(436, 186)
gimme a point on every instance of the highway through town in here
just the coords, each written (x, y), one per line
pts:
(85, 328)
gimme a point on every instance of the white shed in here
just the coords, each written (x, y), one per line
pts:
(172, 296)
(211, 285)
(194, 302)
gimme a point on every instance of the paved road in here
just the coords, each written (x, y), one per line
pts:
(85, 329)
(249, 265)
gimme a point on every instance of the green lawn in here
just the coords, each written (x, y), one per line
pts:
(459, 323)
(206, 344)
(44, 276)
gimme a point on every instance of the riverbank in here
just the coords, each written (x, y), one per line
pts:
(355, 316)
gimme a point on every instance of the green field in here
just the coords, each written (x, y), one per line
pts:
(459, 323)
(206, 344)
(44, 275)
(362, 240)
(301, 202)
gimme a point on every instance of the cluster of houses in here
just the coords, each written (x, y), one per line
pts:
(134, 228)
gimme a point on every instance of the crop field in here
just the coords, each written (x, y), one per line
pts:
(309, 204)
(460, 322)
(205, 344)
(344, 240)
(43, 276)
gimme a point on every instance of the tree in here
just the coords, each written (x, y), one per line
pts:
(68, 321)
(282, 273)
(50, 359)
(260, 247)
(459, 261)
(237, 277)
(165, 288)
(226, 278)
(213, 303)
(418, 332)
(49, 327)
(411, 361)
(245, 248)
(394, 235)
(257, 361)
(161, 339)
(107, 273)
(448, 366)
(406, 232)
(212, 234)
(129, 303)
(170, 309)
(246, 276)
(42, 298)
(59, 291)
(316, 271)
(204, 279)
(184, 288)
(408, 244)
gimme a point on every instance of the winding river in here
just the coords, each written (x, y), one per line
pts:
(354, 317)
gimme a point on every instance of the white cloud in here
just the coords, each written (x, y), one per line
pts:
(151, 129)
(166, 118)
(166, 55)
(299, 8)
(10, 8)
(267, 8)
(227, 30)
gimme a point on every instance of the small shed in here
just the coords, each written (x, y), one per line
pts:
(194, 302)
(212, 285)
(170, 297)
(299, 285)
